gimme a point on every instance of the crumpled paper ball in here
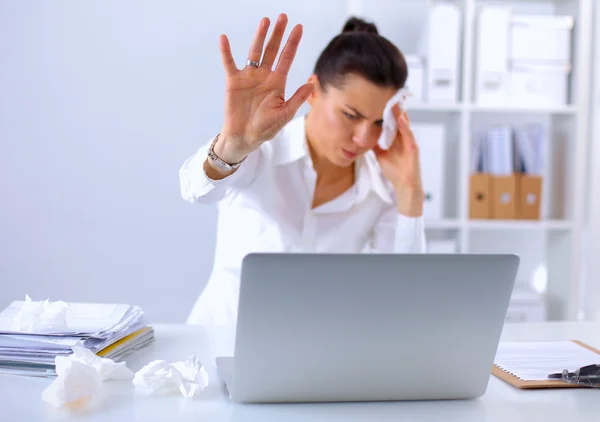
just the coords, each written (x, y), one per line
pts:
(75, 386)
(160, 378)
(80, 376)
(44, 316)
(106, 368)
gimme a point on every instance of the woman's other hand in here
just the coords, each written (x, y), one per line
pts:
(255, 105)
(401, 166)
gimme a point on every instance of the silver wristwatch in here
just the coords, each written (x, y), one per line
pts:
(223, 165)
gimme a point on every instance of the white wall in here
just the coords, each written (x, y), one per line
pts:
(100, 103)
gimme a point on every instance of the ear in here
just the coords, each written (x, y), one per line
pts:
(316, 92)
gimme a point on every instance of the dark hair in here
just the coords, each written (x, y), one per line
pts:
(360, 50)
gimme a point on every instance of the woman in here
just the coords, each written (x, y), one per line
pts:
(314, 183)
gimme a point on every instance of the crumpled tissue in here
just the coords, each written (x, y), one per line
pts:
(389, 127)
(160, 377)
(79, 377)
(35, 316)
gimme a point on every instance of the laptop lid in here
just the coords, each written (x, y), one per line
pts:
(362, 327)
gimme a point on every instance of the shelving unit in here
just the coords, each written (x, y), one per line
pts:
(591, 290)
(550, 249)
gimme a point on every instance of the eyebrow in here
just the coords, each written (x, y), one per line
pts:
(355, 111)
(359, 114)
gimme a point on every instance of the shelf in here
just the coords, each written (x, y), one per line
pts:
(550, 225)
(566, 110)
(442, 224)
(455, 224)
(434, 107)
(476, 108)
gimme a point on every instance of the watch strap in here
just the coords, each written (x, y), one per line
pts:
(223, 165)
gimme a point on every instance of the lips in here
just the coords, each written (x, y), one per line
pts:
(349, 154)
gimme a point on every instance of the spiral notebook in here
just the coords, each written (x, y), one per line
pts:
(526, 365)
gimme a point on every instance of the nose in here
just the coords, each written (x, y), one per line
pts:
(364, 134)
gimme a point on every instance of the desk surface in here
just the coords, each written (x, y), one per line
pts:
(21, 396)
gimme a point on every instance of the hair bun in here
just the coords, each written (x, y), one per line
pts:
(355, 24)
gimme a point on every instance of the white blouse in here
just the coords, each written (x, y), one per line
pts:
(265, 206)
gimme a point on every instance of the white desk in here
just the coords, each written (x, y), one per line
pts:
(21, 397)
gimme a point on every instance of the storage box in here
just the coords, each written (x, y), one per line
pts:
(504, 197)
(517, 196)
(526, 305)
(431, 138)
(541, 37)
(539, 84)
(480, 199)
(416, 78)
(492, 77)
(530, 192)
(443, 53)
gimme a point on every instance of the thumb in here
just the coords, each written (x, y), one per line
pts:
(300, 96)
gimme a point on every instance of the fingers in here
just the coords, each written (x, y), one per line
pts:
(379, 151)
(397, 113)
(226, 57)
(289, 51)
(293, 104)
(256, 48)
(274, 41)
(407, 138)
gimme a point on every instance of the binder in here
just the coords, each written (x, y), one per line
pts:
(506, 173)
(531, 385)
(415, 82)
(530, 190)
(431, 139)
(443, 53)
(491, 75)
(480, 201)
(504, 197)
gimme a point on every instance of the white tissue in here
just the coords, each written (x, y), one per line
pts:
(79, 377)
(106, 368)
(40, 316)
(160, 377)
(389, 127)
(76, 385)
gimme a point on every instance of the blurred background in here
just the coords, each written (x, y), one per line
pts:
(101, 102)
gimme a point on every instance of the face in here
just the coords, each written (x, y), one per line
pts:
(346, 122)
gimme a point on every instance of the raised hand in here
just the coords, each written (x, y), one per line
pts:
(400, 164)
(255, 104)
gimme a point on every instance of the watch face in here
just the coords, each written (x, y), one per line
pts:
(222, 165)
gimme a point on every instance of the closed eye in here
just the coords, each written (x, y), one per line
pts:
(350, 116)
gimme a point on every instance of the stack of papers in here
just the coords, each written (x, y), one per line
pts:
(504, 150)
(109, 330)
(534, 361)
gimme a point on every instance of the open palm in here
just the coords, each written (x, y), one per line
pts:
(255, 104)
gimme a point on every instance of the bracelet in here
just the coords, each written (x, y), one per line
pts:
(223, 165)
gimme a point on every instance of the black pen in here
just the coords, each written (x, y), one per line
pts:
(586, 375)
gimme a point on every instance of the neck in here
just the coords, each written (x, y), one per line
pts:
(324, 168)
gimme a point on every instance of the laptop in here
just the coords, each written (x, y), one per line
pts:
(367, 327)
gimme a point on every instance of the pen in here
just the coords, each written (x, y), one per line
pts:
(586, 375)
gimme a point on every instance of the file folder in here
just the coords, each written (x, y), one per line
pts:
(443, 53)
(530, 188)
(492, 78)
(431, 139)
(480, 202)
